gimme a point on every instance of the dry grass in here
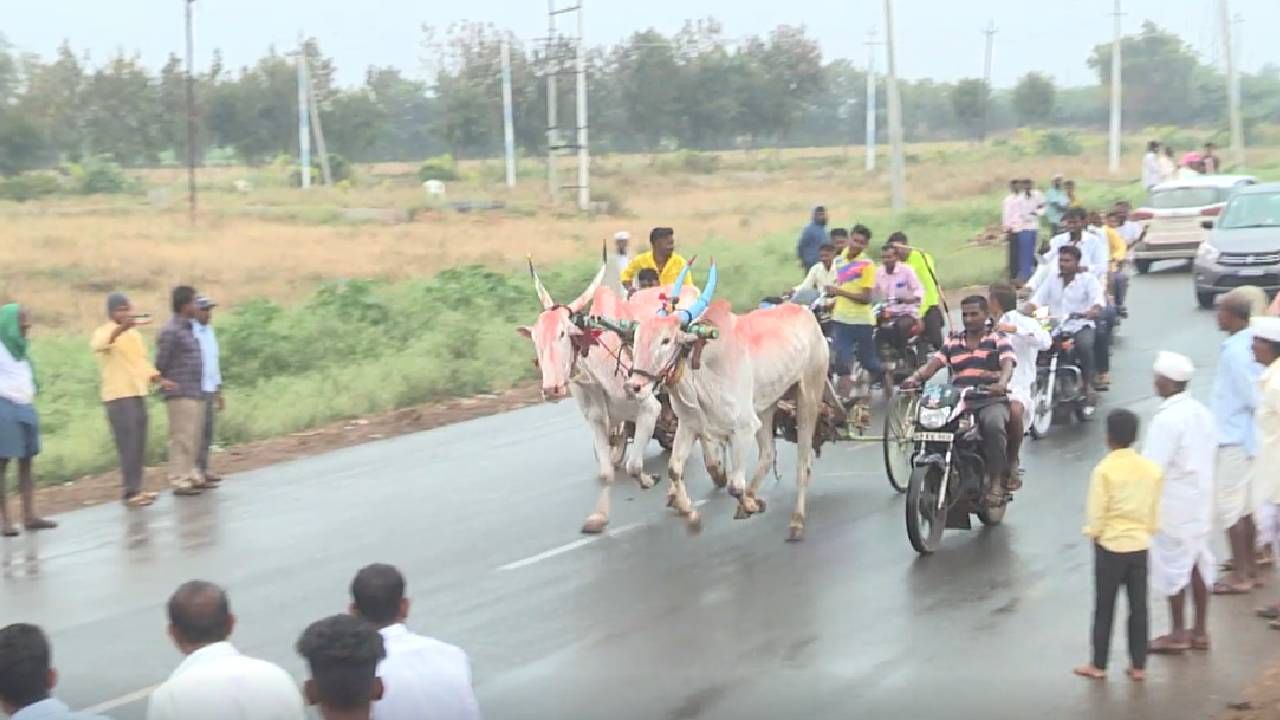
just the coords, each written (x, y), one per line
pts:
(60, 257)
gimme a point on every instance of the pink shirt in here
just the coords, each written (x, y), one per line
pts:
(902, 282)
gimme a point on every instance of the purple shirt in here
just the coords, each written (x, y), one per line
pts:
(900, 283)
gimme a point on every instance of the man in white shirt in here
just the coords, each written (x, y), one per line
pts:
(421, 677)
(1075, 299)
(619, 259)
(27, 677)
(19, 424)
(216, 682)
(1029, 339)
(1183, 441)
(1151, 173)
(1094, 249)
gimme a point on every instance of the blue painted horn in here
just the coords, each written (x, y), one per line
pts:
(677, 287)
(699, 307)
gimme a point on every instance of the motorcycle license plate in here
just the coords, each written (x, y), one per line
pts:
(932, 437)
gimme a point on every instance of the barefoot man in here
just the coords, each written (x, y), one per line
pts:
(1183, 442)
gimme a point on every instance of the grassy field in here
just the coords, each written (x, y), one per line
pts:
(325, 318)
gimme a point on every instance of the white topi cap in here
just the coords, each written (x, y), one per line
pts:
(1267, 328)
(622, 235)
(1174, 366)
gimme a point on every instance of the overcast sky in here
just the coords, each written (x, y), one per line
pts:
(941, 39)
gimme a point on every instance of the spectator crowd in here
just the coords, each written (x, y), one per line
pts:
(364, 664)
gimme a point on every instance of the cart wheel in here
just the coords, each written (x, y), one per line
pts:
(896, 442)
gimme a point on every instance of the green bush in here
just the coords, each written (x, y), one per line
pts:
(1058, 142)
(28, 187)
(100, 175)
(440, 167)
(690, 162)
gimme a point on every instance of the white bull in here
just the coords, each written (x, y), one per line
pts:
(728, 387)
(596, 379)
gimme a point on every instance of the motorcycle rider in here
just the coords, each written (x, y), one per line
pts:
(901, 291)
(980, 357)
(1076, 299)
(1029, 339)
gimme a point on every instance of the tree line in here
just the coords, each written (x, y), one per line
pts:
(693, 89)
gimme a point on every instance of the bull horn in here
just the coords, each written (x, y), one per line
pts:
(590, 292)
(695, 312)
(544, 297)
(678, 286)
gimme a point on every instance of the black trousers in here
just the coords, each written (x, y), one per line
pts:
(1110, 571)
(933, 326)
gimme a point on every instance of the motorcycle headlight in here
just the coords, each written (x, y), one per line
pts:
(1207, 252)
(934, 418)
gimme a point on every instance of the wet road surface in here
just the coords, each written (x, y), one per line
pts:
(646, 622)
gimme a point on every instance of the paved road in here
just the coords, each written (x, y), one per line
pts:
(647, 622)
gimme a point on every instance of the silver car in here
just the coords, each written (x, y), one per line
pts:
(1243, 247)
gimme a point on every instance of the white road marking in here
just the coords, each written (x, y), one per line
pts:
(123, 700)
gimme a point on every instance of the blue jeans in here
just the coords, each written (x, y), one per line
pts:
(849, 339)
(1025, 253)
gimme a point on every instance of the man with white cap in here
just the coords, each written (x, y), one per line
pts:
(619, 259)
(1235, 398)
(1266, 350)
(1183, 441)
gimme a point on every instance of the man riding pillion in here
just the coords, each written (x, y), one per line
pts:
(901, 291)
(982, 358)
(853, 324)
(922, 263)
(1076, 299)
(1029, 339)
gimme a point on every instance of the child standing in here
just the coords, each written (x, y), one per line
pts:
(1122, 514)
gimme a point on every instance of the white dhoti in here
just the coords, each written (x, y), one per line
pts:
(1233, 486)
(1267, 520)
(1174, 558)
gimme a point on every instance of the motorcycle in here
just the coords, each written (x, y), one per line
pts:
(1059, 380)
(949, 470)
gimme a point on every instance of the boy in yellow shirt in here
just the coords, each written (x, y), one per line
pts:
(1122, 514)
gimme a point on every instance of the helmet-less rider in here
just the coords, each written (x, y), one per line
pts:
(982, 358)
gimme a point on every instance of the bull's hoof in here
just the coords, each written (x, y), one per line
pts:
(693, 521)
(595, 524)
(719, 478)
(735, 491)
(740, 513)
(760, 504)
(796, 533)
(647, 481)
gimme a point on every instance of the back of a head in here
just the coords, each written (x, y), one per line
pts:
(343, 653)
(1005, 296)
(24, 665)
(377, 593)
(1250, 298)
(897, 238)
(200, 613)
(1122, 427)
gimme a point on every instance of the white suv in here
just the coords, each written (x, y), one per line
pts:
(1173, 215)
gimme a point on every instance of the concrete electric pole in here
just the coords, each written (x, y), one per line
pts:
(1113, 149)
(191, 116)
(871, 101)
(990, 32)
(1233, 87)
(508, 125)
(897, 173)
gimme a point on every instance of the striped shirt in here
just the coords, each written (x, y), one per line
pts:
(968, 367)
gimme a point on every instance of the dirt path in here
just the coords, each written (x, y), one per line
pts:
(96, 489)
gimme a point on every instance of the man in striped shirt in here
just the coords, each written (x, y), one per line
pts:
(981, 357)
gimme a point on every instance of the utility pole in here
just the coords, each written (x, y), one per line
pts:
(1233, 87)
(871, 101)
(1113, 150)
(990, 32)
(897, 174)
(304, 120)
(191, 116)
(584, 157)
(508, 125)
(553, 67)
(314, 113)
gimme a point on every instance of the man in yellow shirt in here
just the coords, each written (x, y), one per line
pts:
(853, 325)
(1118, 287)
(661, 258)
(127, 376)
(1122, 514)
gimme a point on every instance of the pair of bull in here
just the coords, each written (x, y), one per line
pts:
(723, 373)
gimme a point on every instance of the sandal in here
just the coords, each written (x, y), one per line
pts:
(1167, 645)
(1270, 612)
(140, 500)
(1222, 587)
(1200, 643)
